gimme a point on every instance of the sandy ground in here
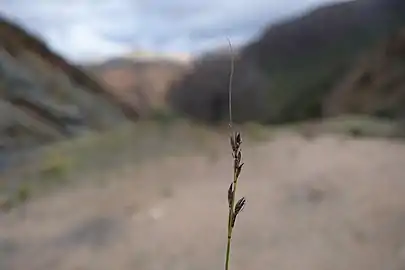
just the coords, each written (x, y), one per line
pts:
(327, 203)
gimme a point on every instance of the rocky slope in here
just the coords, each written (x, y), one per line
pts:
(295, 64)
(43, 98)
(142, 82)
(375, 85)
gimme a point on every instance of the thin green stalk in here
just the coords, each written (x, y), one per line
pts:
(228, 246)
(236, 141)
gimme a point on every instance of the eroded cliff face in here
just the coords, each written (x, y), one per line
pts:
(143, 83)
(43, 98)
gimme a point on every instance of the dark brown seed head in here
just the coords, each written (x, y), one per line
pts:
(236, 141)
(240, 205)
(233, 220)
(238, 138)
(239, 156)
(233, 144)
(230, 195)
(235, 164)
(239, 169)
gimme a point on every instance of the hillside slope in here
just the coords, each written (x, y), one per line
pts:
(307, 56)
(375, 85)
(142, 82)
(301, 60)
(203, 92)
(43, 98)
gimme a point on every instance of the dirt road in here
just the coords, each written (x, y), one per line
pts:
(327, 203)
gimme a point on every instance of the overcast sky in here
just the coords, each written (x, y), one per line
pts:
(82, 30)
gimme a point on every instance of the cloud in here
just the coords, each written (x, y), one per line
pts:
(83, 30)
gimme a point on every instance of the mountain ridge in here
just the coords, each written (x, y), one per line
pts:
(45, 99)
(297, 62)
(14, 38)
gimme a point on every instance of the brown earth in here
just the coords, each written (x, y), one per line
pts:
(326, 203)
(142, 83)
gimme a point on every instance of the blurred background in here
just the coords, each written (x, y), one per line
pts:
(114, 138)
